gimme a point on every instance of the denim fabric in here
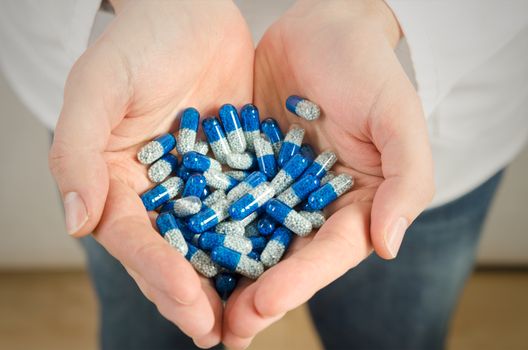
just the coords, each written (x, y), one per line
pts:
(400, 304)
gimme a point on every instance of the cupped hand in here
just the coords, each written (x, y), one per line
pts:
(155, 59)
(340, 55)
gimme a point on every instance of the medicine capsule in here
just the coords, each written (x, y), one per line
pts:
(170, 231)
(251, 230)
(194, 186)
(250, 124)
(242, 161)
(232, 228)
(250, 202)
(276, 247)
(162, 193)
(210, 240)
(214, 197)
(195, 161)
(258, 243)
(266, 225)
(271, 129)
(156, 149)
(291, 144)
(330, 192)
(162, 168)
(186, 232)
(303, 107)
(299, 191)
(201, 261)
(209, 217)
(329, 176)
(225, 284)
(253, 180)
(183, 173)
(216, 137)
(236, 262)
(220, 181)
(265, 157)
(201, 147)
(235, 135)
(248, 219)
(183, 207)
(238, 175)
(288, 217)
(317, 217)
(290, 172)
(189, 122)
(324, 162)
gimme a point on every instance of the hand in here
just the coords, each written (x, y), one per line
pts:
(155, 59)
(339, 54)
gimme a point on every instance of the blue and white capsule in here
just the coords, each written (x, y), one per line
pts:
(276, 247)
(209, 217)
(291, 144)
(189, 121)
(225, 284)
(266, 225)
(317, 218)
(303, 107)
(249, 115)
(272, 130)
(201, 147)
(214, 197)
(156, 149)
(290, 172)
(299, 191)
(162, 193)
(216, 137)
(183, 173)
(250, 202)
(242, 161)
(183, 207)
(231, 122)
(237, 262)
(162, 168)
(201, 261)
(220, 181)
(194, 186)
(322, 164)
(253, 180)
(170, 231)
(265, 157)
(288, 217)
(195, 161)
(210, 240)
(328, 193)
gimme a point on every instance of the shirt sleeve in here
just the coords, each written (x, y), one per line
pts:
(448, 39)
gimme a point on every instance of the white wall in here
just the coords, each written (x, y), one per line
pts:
(31, 228)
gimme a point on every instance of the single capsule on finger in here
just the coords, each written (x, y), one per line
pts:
(329, 176)
(235, 135)
(253, 180)
(271, 129)
(288, 217)
(225, 284)
(290, 172)
(162, 193)
(220, 181)
(328, 193)
(250, 202)
(266, 226)
(216, 137)
(195, 161)
(162, 168)
(317, 217)
(170, 231)
(183, 207)
(189, 122)
(322, 164)
(214, 197)
(299, 191)
(201, 261)
(156, 149)
(210, 240)
(276, 247)
(232, 228)
(265, 157)
(237, 262)
(194, 186)
(303, 107)
(250, 124)
(242, 161)
(291, 144)
(201, 147)
(238, 175)
(209, 217)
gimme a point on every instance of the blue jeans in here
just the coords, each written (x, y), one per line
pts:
(402, 304)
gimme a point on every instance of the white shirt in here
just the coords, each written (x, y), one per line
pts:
(468, 60)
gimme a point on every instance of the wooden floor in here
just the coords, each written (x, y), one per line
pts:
(57, 311)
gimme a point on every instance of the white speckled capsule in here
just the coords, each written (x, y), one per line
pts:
(219, 180)
(201, 261)
(303, 108)
(241, 161)
(276, 247)
(186, 206)
(317, 218)
(201, 147)
(162, 168)
(214, 197)
(156, 149)
(230, 228)
(189, 122)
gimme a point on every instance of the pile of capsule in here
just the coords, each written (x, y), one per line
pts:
(235, 212)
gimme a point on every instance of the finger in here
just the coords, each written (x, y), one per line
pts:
(126, 233)
(215, 335)
(338, 246)
(95, 98)
(400, 133)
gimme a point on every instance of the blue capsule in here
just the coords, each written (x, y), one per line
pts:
(258, 243)
(303, 107)
(194, 186)
(216, 137)
(288, 217)
(233, 128)
(162, 193)
(189, 122)
(322, 164)
(271, 129)
(308, 152)
(225, 284)
(198, 162)
(209, 240)
(250, 124)
(276, 247)
(254, 255)
(291, 144)
(201, 261)
(237, 262)
(206, 192)
(183, 173)
(290, 172)
(250, 202)
(156, 149)
(299, 191)
(266, 225)
(209, 217)
(162, 168)
(330, 191)
(265, 157)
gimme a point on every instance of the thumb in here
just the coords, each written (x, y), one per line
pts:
(95, 99)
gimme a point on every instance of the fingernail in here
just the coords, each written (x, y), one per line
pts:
(75, 212)
(394, 236)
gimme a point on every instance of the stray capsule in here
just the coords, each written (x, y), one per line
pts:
(201, 147)
(271, 129)
(194, 186)
(288, 217)
(317, 217)
(162, 193)
(237, 262)
(299, 191)
(209, 240)
(225, 284)
(291, 144)
(324, 162)
(266, 225)
(195, 161)
(219, 180)
(156, 149)
(214, 197)
(201, 261)
(276, 247)
(216, 137)
(253, 180)
(242, 161)
(303, 107)
(235, 135)
(330, 192)
(329, 176)
(170, 231)
(189, 122)
(209, 217)
(265, 157)
(162, 168)
(250, 202)
(290, 172)
(238, 175)
(183, 207)
(250, 124)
